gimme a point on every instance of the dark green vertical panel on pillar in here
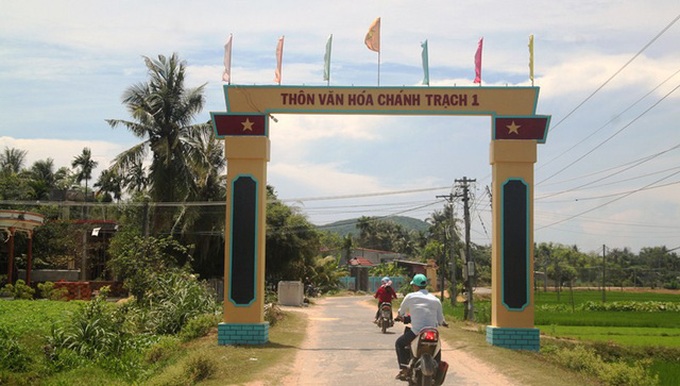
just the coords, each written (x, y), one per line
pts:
(243, 241)
(515, 248)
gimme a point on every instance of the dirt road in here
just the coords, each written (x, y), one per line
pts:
(344, 347)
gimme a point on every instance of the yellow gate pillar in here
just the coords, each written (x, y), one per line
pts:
(512, 156)
(247, 153)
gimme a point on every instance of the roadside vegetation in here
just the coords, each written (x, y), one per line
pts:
(167, 238)
(631, 339)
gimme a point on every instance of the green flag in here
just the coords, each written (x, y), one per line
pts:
(426, 66)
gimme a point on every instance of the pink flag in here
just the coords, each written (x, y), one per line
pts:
(478, 62)
(372, 38)
(226, 76)
(279, 60)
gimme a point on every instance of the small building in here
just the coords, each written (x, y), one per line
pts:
(358, 269)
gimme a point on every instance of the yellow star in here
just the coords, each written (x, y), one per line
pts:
(513, 128)
(247, 125)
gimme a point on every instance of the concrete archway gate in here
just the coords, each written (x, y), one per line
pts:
(515, 132)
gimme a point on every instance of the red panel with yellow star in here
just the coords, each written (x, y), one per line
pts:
(226, 124)
(522, 127)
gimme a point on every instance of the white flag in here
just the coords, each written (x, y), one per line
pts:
(226, 76)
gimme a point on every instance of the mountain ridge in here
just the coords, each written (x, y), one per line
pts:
(345, 227)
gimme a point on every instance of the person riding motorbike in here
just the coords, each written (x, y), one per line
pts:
(425, 311)
(384, 294)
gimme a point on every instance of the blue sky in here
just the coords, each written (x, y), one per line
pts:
(608, 174)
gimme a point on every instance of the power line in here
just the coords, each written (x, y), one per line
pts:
(617, 72)
(611, 136)
(592, 184)
(617, 116)
(608, 202)
(636, 162)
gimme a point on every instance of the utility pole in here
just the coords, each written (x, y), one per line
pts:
(449, 236)
(469, 262)
(604, 265)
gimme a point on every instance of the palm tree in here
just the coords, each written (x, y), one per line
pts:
(110, 183)
(42, 178)
(162, 110)
(135, 179)
(186, 160)
(86, 165)
(12, 160)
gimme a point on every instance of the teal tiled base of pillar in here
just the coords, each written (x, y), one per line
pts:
(514, 338)
(242, 333)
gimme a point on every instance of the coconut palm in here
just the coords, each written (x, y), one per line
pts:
(86, 165)
(110, 182)
(12, 160)
(42, 178)
(162, 111)
(186, 161)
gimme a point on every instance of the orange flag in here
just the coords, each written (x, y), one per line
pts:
(372, 39)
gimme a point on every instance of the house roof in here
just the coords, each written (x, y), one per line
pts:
(360, 261)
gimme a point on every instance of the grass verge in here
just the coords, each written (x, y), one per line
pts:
(202, 360)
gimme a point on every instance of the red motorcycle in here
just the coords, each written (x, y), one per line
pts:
(423, 368)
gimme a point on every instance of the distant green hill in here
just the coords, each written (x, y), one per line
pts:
(345, 227)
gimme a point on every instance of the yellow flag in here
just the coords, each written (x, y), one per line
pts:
(531, 59)
(372, 39)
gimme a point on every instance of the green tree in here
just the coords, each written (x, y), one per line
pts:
(110, 183)
(12, 160)
(162, 111)
(386, 235)
(43, 178)
(292, 242)
(85, 165)
(186, 160)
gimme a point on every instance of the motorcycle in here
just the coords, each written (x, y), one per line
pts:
(423, 368)
(385, 319)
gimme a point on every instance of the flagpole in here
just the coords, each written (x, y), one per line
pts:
(378, 68)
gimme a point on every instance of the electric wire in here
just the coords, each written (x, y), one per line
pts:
(636, 162)
(609, 202)
(617, 116)
(643, 49)
(611, 136)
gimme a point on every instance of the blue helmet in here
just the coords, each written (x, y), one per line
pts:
(385, 280)
(420, 280)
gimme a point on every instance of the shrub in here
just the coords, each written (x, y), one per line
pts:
(272, 313)
(48, 291)
(172, 300)
(198, 326)
(582, 359)
(161, 350)
(19, 290)
(141, 259)
(12, 355)
(199, 368)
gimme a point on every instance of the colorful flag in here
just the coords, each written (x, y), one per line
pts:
(478, 62)
(372, 39)
(279, 60)
(327, 59)
(531, 59)
(226, 76)
(426, 65)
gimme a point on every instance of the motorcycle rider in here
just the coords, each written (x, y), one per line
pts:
(425, 310)
(384, 294)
